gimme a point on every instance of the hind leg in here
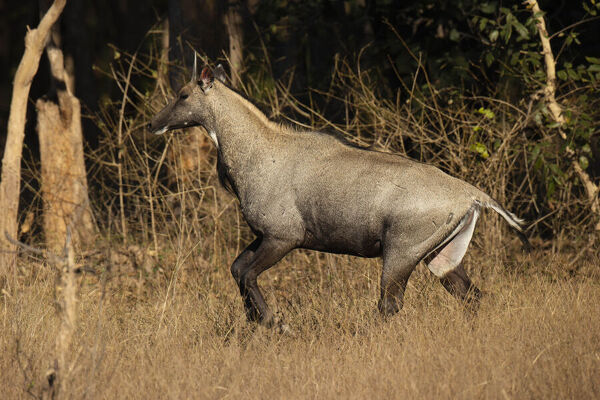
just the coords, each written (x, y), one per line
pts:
(446, 263)
(394, 277)
(458, 284)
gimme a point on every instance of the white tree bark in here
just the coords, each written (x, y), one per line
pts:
(10, 185)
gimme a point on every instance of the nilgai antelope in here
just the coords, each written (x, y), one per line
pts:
(304, 189)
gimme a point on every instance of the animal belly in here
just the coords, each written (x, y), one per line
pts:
(355, 239)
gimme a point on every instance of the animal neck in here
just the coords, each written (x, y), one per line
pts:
(241, 131)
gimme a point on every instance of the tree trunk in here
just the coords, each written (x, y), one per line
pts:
(78, 53)
(10, 185)
(233, 22)
(65, 293)
(591, 189)
(177, 48)
(64, 181)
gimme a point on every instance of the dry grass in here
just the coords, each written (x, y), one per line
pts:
(536, 335)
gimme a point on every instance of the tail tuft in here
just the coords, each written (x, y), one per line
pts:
(516, 223)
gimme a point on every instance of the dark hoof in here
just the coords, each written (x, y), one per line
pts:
(387, 307)
(472, 300)
(275, 324)
(252, 313)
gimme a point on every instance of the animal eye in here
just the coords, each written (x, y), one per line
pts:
(183, 96)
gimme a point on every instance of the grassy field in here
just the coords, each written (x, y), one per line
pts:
(180, 332)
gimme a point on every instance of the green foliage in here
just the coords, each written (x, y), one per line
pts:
(487, 113)
(513, 49)
(480, 149)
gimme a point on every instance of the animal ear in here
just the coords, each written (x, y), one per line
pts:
(220, 73)
(206, 78)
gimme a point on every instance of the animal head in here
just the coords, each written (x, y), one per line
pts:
(194, 104)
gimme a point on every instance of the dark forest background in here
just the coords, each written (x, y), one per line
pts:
(463, 56)
(451, 37)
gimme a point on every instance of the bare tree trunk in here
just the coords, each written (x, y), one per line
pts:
(65, 296)
(64, 181)
(79, 55)
(65, 293)
(233, 22)
(591, 189)
(10, 186)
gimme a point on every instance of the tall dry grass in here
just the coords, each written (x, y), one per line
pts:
(183, 335)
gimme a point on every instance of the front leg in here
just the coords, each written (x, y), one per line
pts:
(239, 265)
(259, 256)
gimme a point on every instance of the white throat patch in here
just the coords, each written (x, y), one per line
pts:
(213, 136)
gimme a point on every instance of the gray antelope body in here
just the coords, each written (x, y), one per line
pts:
(306, 189)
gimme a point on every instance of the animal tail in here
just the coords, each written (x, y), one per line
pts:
(516, 223)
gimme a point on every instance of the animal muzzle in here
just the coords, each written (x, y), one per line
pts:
(161, 121)
(155, 130)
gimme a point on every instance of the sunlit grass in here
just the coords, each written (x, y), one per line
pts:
(535, 335)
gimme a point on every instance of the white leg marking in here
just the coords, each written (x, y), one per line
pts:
(452, 254)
